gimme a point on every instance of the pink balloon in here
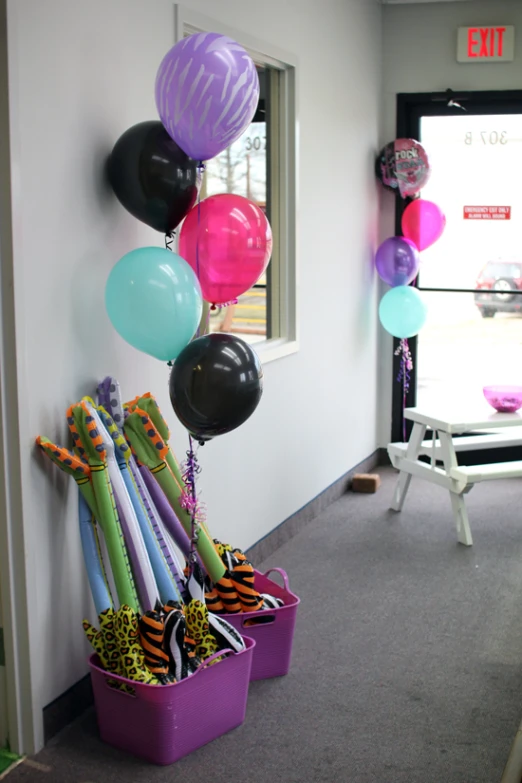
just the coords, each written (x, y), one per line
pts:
(423, 222)
(227, 241)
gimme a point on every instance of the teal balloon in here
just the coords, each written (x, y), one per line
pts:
(153, 299)
(402, 311)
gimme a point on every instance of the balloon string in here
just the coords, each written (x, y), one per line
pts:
(169, 241)
(403, 411)
(406, 366)
(201, 168)
(189, 502)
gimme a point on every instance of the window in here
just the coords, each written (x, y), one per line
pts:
(261, 165)
(243, 169)
(499, 269)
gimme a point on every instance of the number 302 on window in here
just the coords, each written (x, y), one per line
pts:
(486, 137)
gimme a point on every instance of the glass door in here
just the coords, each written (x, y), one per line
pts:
(471, 278)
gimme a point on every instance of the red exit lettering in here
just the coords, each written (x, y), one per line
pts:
(486, 41)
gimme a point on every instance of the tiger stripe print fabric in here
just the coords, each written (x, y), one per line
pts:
(224, 633)
(213, 600)
(152, 637)
(236, 591)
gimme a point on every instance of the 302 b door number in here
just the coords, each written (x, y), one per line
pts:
(486, 137)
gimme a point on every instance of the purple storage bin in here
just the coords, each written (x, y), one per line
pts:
(272, 629)
(163, 723)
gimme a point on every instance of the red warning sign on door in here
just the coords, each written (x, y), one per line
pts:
(487, 213)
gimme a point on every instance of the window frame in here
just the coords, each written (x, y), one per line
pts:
(282, 180)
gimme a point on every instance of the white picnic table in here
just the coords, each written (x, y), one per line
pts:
(492, 430)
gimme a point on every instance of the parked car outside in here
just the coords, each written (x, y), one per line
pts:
(497, 283)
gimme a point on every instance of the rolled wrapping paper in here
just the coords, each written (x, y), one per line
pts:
(151, 561)
(151, 451)
(88, 439)
(109, 399)
(92, 556)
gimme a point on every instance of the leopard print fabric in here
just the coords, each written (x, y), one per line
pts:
(117, 645)
(95, 638)
(198, 630)
(132, 658)
(110, 640)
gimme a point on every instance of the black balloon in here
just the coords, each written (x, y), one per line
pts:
(215, 385)
(152, 177)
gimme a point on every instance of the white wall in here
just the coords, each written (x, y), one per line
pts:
(419, 55)
(81, 73)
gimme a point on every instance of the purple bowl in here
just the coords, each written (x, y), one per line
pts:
(505, 399)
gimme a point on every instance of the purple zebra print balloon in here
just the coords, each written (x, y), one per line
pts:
(207, 91)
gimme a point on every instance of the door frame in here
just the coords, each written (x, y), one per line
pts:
(410, 108)
(22, 716)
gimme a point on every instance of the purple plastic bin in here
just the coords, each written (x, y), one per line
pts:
(274, 639)
(163, 723)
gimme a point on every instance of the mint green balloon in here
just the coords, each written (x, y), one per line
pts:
(402, 311)
(153, 299)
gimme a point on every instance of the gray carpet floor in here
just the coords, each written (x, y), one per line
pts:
(407, 659)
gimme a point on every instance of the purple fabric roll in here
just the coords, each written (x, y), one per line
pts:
(134, 559)
(166, 511)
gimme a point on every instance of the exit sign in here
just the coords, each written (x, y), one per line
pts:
(486, 44)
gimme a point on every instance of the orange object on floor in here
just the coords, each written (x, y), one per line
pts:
(366, 482)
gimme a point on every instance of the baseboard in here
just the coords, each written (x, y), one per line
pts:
(384, 457)
(71, 704)
(266, 547)
(67, 707)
